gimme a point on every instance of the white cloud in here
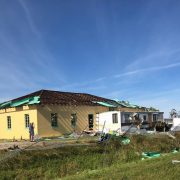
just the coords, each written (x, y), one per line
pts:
(159, 57)
(29, 18)
(155, 68)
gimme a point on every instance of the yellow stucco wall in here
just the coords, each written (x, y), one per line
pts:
(18, 128)
(64, 118)
(41, 116)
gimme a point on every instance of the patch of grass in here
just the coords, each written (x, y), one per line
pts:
(68, 161)
(159, 168)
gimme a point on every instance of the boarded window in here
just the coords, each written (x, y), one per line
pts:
(73, 120)
(115, 118)
(9, 122)
(54, 120)
(26, 119)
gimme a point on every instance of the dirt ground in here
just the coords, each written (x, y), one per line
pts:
(46, 143)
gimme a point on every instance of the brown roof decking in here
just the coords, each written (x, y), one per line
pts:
(64, 98)
(69, 98)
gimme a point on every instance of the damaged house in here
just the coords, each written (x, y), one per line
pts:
(122, 115)
(56, 113)
(149, 116)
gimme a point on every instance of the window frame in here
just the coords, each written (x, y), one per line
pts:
(27, 120)
(126, 118)
(155, 119)
(115, 118)
(144, 119)
(9, 123)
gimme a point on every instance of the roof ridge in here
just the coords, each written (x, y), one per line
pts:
(41, 93)
(64, 97)
(27, 95)
(66, 92)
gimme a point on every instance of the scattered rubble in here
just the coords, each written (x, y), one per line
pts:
(175, 161)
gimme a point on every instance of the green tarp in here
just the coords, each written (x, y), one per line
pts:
(175, 150)
(150, 155)
(125, 140)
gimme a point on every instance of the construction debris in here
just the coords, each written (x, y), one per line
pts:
(176, 150)
(125, 140)
(170, 135)
(175, 161)
(14, 147)
(150, 155)
(74, 135)
(104, 137)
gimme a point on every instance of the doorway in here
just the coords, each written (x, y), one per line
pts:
(91, 121)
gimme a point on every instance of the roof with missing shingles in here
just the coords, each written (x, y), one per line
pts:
(45, 97)
(64, 98)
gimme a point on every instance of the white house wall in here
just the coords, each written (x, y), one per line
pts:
(176, 122)
(107, 118)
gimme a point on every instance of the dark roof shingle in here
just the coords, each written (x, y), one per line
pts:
(64, 98)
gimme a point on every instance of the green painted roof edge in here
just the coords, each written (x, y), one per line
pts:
(35, 100)
(127, 104)
(20, 102)
(106, 104)
(25, 101)
(5, 104)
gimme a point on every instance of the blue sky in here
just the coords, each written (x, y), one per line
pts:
(127, 50)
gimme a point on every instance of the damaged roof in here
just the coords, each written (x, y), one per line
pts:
(44, 97)
(129, 105)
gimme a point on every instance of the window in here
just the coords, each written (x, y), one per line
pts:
(9, 122)
(155, 117)
(26, 118)
(73, 120)
(54, 122)
(127, 118)
(91, 121)
(144, 118)
(115, 118)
